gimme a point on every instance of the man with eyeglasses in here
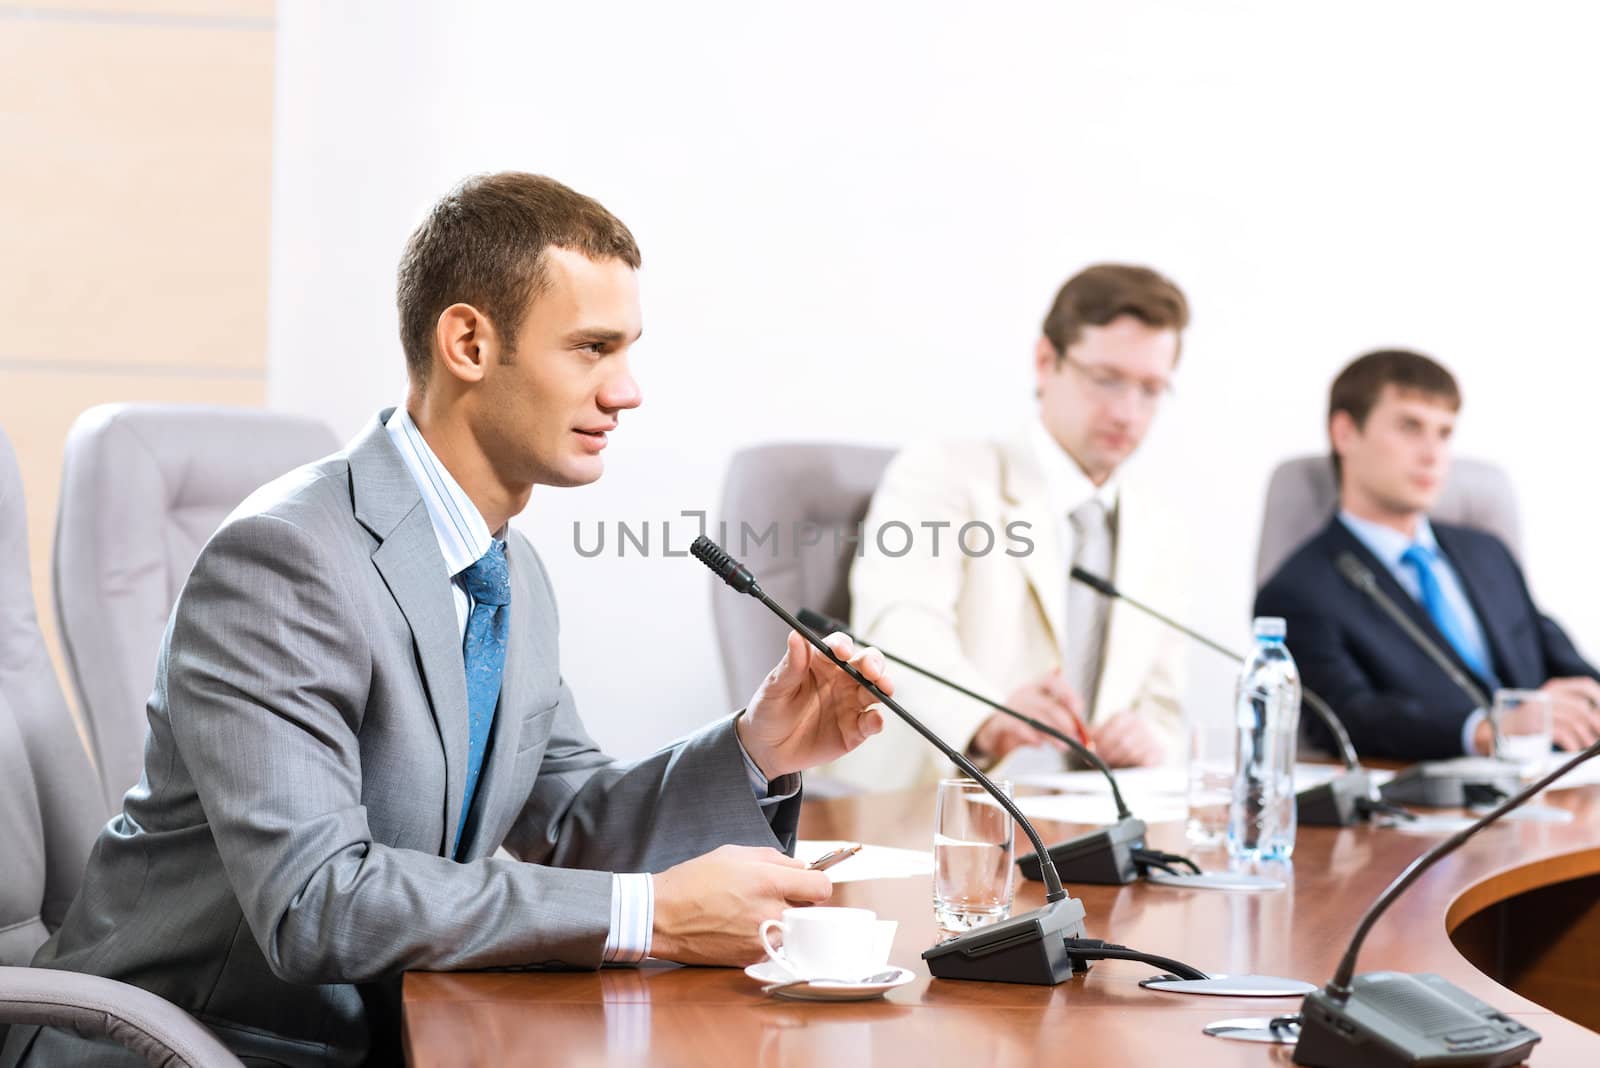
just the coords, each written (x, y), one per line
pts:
(1008, 622)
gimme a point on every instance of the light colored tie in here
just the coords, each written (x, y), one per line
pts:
(1087, 610)
(1086, 632)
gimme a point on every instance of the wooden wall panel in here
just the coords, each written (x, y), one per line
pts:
(134, 200)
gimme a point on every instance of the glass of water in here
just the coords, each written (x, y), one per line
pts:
(1523, 735)
(973, 854)
(1212, 759)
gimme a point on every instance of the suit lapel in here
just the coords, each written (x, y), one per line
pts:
(1499, 643)
(388, 503)
(1045, 567)
(1345, 540)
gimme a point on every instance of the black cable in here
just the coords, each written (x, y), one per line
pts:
(1156, 858)
(1096, 949)
(1148, 862)
(1286, 1023)
(1367, 806)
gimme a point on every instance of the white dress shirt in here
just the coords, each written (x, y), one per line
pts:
(464, 537)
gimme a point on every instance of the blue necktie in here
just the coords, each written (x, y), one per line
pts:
(484, 650)
(1433, 601)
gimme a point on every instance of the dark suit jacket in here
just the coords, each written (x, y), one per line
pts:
(1393, 699)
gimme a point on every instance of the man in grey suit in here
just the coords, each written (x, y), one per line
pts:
(358, 699)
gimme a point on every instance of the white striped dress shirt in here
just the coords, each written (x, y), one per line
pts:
(463, 538)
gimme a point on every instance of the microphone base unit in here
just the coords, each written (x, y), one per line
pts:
(1459, 783)
(1030, 948)
(1339, 802)
(1392, 1019)
(1104, 857)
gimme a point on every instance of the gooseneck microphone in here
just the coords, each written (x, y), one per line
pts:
(1345, 799)
(1027, 948)
(1439, 783)
(1044, 946)
(1402, 1019)
(1110, 856)
(1361, 577)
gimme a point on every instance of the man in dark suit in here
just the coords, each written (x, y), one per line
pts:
(1390, 416)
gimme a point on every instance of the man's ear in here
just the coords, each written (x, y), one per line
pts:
(1045, 361)
(1342, 432)
(464, 342)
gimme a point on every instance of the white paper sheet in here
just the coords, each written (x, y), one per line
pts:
(873, 862)
(1156, 795)
(1582, 775)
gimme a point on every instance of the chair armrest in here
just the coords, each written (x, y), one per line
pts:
(157, 1030)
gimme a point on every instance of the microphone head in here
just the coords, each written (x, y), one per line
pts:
(722, 565)
(1094, 582)
(1354, 571)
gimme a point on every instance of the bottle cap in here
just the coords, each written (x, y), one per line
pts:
(1271, 627)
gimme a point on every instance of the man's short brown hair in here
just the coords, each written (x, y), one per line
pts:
(1357, 388)
(483, 244)
(1097, 295)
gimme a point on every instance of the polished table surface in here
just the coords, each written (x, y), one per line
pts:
(663, 1014)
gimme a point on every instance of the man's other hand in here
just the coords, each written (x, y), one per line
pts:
(1574, 711)
(808, 712)
(709, 909)
(1047, 699)
(1127, 740)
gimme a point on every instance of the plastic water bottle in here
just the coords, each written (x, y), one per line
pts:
(1261, 816)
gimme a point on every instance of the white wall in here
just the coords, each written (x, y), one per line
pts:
(853, 217)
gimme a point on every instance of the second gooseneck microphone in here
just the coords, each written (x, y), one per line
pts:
(1110, 856)
(1347, 798)
(1027, 948)
(1450, 783)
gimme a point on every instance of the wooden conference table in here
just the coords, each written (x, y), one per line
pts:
(1522, 902)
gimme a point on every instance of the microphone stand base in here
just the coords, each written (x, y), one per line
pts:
(1337, 802)
(1394, 1020)
(1030, 948)
(1103, 857)
(1457, 783)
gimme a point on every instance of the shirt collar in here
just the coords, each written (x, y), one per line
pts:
(1065, 482)
(460, 528)
(1387, 543)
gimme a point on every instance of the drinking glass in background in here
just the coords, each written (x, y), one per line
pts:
(972, 856)
(1212, 753)
(1523, 732)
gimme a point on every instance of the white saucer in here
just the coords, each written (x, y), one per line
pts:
(772, 972)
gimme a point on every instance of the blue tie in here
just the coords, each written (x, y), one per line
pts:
(484, 650)
(1433, 601)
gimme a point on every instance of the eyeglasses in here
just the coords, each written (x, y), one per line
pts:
(1111, 385)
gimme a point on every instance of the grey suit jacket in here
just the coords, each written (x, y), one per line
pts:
(285, 856)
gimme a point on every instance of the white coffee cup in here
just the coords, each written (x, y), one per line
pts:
(830, 943)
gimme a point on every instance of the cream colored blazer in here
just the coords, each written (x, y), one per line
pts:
(997, 620)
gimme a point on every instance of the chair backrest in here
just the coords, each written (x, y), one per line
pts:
(51, 805)
(806, 501)
(1303, 494)
(142, 489)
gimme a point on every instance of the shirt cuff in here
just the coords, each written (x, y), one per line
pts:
(1469, 729)
(633, 918)
(768, 793)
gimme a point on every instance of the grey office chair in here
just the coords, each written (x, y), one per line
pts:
(1302, 495)
(808, 492)
(51, 807)
(142, 489)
